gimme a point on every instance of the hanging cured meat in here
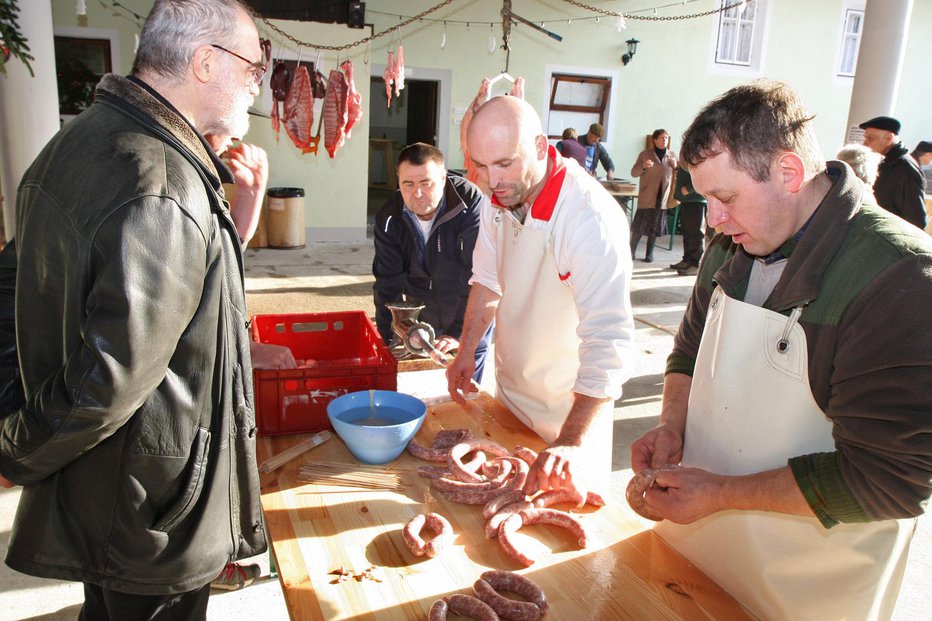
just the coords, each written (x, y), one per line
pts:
(389, 76)
(318, 85)
(280, 82)
(298, 116)
(399, 70)
(517, 89)
(335, 112)
(481, 97)
(353, 99)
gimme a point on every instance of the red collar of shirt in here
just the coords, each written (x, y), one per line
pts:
(546, 201)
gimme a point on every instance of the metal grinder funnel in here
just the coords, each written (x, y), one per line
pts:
(416, 336)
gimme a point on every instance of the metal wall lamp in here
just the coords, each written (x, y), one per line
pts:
(632, 48)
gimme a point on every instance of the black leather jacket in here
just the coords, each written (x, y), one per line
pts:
(136, 447)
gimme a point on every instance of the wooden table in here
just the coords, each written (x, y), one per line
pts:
(625, 193)
(627, 572)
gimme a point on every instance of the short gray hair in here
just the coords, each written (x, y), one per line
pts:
(862, 160)
(175, 28)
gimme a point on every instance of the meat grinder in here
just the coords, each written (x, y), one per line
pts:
(416, 336)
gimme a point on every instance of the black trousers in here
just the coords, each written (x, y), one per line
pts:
(108, 605)
(691, 217)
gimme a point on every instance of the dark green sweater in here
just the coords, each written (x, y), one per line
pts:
(867, 277)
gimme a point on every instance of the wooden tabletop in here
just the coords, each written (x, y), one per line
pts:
(626, 572)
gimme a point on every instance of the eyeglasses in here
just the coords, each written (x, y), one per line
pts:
(256, 69)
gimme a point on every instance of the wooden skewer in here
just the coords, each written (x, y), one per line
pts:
(351, 475)
(280, 459)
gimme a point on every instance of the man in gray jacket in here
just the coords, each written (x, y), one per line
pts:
(136, 445)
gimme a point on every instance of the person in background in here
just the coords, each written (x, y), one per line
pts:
(595, 151)
(923, 155)
(692, 217)
(570, 147)
(655, 167)
(552, 268)
(899, 186)
(795, 415)
(862, 160)
(424, 239)
(136, 445)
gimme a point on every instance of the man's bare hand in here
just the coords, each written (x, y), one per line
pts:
(266, 356)
(459, 376)
(660, 446)
(4, 482)
(684, 495)
(557, 467)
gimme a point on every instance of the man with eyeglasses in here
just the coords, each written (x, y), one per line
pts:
(136, 445)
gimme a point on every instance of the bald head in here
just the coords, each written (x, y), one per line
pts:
(509, 148)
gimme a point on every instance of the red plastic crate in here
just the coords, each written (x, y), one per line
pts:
(350, 356)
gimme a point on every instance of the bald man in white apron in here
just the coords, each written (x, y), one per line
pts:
(552, 267)
(797, 412)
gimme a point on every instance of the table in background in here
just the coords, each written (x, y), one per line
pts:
(626, 572)
(625, 193)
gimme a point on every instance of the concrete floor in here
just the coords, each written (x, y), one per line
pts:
(337, 276)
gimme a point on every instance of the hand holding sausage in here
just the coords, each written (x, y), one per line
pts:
(684, 495)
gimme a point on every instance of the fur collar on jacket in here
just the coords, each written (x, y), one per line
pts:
(169, 120)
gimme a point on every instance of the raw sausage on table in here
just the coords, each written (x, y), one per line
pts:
(516, 583)
(470, 606)
(411, 533)
(504, 607)
(460, 450)
(438, 611)
(536, 516)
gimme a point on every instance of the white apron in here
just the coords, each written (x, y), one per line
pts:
(750, 408)
(536, 347)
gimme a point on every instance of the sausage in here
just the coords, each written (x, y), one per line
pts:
(411, 533)
(474, 497)
(525, 454)
(477, 461)
(638, 486)
(438, 611)
(448, 438)
(444, 534)
(491, 527)
(556, 518)
(433, 472)
(554, 497)
(516, 583)
(469, 606)
(447, 484)
(427, 454)
(537, 516)
(493, 506)
(457, 452)
(505, 607)
(510, 526)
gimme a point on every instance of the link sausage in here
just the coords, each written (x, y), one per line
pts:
(469, 606)
(516, 583)
(493, 506)
(459, 451)
(438, 611)
(537, 516)
(491, 527)
(505, 607)
(444, 534)
(411, 533)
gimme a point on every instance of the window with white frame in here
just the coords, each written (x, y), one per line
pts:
(736, 26)
(851, 42)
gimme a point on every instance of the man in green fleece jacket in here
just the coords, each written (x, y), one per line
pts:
(795, 440)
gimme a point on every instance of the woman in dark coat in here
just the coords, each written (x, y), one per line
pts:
(656, 168)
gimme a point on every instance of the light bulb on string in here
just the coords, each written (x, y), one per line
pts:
(491, 40)
(443, 37)
(742, 7)
(620, 23)
(81, 7)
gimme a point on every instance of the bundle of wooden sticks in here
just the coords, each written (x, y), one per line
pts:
(352, 475)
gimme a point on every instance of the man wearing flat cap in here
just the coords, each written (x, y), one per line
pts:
(595, 152)
(900, 186)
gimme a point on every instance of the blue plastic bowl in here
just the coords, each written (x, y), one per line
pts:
(379, 436)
